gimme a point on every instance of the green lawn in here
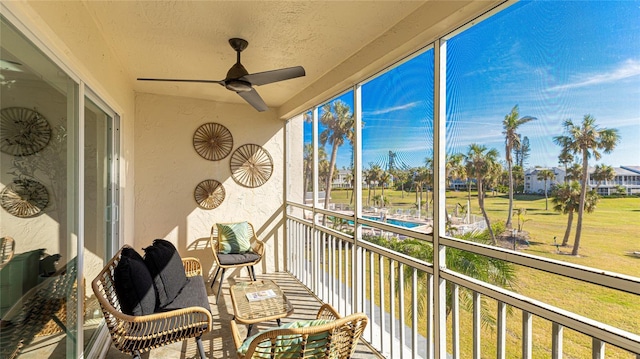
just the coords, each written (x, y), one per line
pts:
(609, 235)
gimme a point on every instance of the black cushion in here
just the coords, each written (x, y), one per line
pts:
(238, 258)
(134, 284)
(167, 270)
(193, 294)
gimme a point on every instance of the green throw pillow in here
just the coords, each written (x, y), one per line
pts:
(289, 345)
(233, 237)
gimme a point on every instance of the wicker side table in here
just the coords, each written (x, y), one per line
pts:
(252, 312)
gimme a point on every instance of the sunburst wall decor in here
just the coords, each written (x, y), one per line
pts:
(209, 194)
(212, 141)
(251, 165)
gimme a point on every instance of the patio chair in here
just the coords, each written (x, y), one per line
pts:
(328, 336)
(7, 248)
(188, 316)
(234, 245)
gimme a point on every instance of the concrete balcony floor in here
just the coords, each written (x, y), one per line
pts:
(218, 342)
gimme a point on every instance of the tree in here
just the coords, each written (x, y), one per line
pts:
(518, 179)
(585, 140)
(566, 199)
(454, 167)
(510, 124)
(481, 163)
(522, 152)
(485, 268)
(565, 158)
(603, 173)
(545, 175)
(338, 121)
(308, 164)
(350, 178)
(375, 172)
(384, 179)
(420, 177)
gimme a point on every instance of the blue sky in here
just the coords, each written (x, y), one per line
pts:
(556, 60)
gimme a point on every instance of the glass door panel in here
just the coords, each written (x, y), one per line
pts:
(97, 219)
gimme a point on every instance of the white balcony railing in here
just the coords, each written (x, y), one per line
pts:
(354, 275)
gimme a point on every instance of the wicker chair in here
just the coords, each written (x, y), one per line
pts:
(7, 248)
(138, 334)
(226, 261)
(336, 339)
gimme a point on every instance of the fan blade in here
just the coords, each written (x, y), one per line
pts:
(184, 80)
(267, 77)
(253, 99)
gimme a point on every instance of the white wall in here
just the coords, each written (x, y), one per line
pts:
(168, 169)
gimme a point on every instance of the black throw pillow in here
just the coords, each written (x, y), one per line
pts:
(167, 271)
(134, 285)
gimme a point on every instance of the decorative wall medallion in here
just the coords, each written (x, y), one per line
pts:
(251, 165)
(212, 141)
(209, 194)
(24, 198)
(23, 131)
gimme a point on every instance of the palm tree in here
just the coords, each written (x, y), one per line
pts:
(308, 164)
(401, 176)
(586, 140)
(350, 177)
(385, 178)
(510, 124)
(603, 173)
(544, 175)
(574, 173)
(420, 177)
(338, 121)
(375, 172)
(485, 268)
(566, 199)
(565, 158)
(482, 162)
(454, 167)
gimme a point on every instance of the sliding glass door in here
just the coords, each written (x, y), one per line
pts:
(58, 196)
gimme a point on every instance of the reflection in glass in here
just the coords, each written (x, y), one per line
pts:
(39, 287)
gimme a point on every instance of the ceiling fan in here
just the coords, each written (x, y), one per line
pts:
(241, 81)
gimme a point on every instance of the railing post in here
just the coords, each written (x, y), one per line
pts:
(502, 330)
(556, 341)
(477, 325)
(414, 313)
(527, 334)
(455, 320)
(597, 349)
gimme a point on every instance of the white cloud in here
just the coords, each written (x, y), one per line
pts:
(392, 109)
(629, 68)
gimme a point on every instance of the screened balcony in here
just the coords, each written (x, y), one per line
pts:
(423, 170)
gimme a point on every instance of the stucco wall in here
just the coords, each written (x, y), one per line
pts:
(168, 169)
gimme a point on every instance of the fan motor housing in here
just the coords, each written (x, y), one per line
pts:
(237, 85)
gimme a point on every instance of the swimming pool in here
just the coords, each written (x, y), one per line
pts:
(396, 222)
(393, 221)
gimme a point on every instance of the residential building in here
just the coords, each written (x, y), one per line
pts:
(625, 176)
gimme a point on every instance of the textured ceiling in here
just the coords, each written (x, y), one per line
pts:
(189, 39)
